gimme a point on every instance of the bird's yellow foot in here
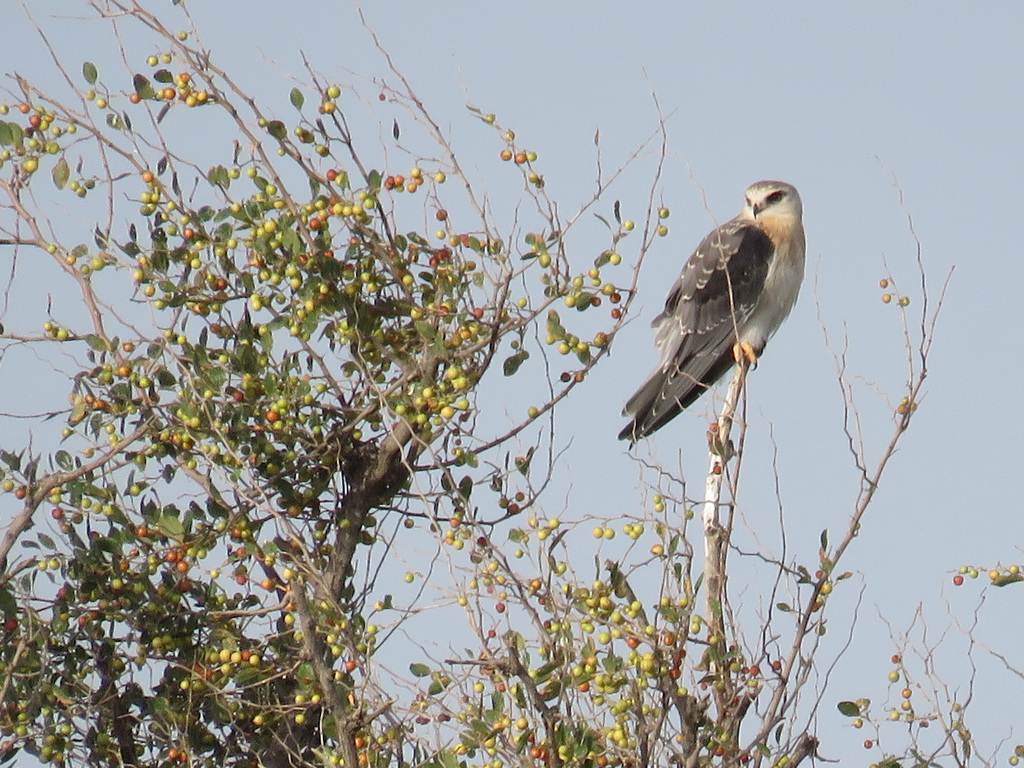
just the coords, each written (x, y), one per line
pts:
(743, 352)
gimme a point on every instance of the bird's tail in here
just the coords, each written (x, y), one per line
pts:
(668, 392)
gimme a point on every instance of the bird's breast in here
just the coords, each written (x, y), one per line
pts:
(781, 284)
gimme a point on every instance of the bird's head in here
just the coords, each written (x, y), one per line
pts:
(772, 198)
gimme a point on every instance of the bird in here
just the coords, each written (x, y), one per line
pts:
(733, 294)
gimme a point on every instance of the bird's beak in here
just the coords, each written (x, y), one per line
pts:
(757, 208)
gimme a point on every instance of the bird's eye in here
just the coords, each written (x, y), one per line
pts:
(774, 197)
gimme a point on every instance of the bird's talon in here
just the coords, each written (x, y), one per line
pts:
(743, 352)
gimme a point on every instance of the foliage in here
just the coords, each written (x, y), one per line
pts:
(287, 358)
(234, 481)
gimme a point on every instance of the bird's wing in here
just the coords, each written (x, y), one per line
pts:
(713, 297)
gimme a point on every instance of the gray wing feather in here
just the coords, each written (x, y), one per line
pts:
(716, 293)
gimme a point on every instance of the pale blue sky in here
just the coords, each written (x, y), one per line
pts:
(833, 97)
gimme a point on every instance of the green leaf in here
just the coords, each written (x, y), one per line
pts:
(11, 134)
(290, 241)
(89, 72)
(163, 76)
(555, 328)
(170, 526)
(143, 87)
(511, 364)
(61, 173)
(218, 175)
(276, 129)
(419, 670)
(426, 330)
(1009, 578)
(96, 342)
(523, 462)
(784, 607)
(78, 411)
(63, 460)
(8, 605)
(297, 98)
(849, 708)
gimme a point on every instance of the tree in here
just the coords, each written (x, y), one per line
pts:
(302, 401)
(291, 392)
